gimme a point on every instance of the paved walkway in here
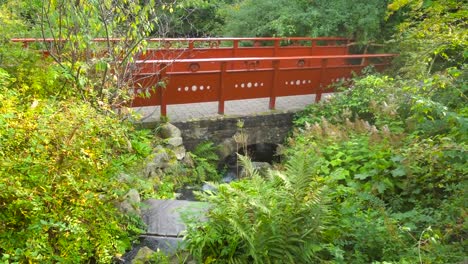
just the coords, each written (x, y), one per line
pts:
(185, 112)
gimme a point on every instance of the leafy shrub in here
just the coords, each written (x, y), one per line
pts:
(371, 98)
(58, 167)
(432, 37)
(206, 162)
(392, 152)
(259, 220)
(362, 20)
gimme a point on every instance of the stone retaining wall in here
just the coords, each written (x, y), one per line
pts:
(266, 128)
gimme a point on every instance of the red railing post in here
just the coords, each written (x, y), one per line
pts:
(235, 47)
(322, 80)
(274, 87)
(364, 60)
(313, 44)
(276, 47)
(222, 79)
(161, 90)
(191, 46)
(235, 44)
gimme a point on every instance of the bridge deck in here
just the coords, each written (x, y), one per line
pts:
(209, 110)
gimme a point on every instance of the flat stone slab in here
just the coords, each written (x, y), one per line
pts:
(168, 245)
(164, 217)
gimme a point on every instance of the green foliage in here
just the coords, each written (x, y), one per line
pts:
(30, 75)
(191, 18)
(259, 220)
(205, 162)
(58, 168)
(432, 37)
(366, 98)
(104, 78)
(362, 20)
(394, 153)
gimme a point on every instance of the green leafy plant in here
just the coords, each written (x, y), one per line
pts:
(59, 178)
(361, 20)
(431, 37)
(205, 161)
(392, 173)
(260, 220)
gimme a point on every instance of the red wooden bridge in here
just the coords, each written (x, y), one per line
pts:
(196, 70)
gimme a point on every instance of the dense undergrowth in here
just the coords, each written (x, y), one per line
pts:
(382, 165)
(63, 155)
(64, 165)
(389, 159)
(59, 167)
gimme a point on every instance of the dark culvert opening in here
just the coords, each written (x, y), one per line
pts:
(263, 152)
(231, 169)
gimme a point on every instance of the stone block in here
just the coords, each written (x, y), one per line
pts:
(175, 141)
(143, 256)
(168, 130)
(180, 152)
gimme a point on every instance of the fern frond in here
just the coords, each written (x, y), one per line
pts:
(246, 163)
(207, 150)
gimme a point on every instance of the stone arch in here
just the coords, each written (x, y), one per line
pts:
(259, 151)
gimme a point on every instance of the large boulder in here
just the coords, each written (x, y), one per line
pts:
(261, 166)
(226, 148)
(180, 152)
(130, 203)
(168, 130)
(161, 159)
(143, 256)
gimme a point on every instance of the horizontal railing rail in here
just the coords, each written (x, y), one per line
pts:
(319, 40)
(202, 48)
(351, 56)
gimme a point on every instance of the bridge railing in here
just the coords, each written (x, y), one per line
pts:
(223, 79)
(195, 70)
